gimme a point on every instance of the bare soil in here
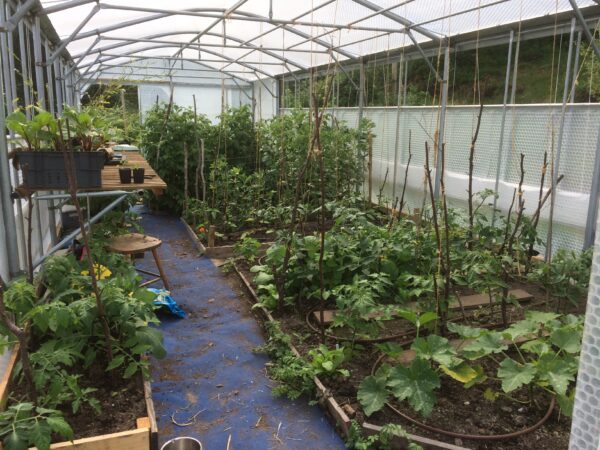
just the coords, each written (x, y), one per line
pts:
(121, 402)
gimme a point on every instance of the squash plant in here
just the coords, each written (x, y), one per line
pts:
(540, 351)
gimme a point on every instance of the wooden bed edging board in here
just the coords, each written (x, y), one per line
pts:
(398, 442)
(335, 410)
(144, 437)
(218, 252)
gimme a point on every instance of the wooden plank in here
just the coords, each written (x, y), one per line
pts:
(468, 301)
(142, 422)
(473, 301)
(6, 377)
(126, 440)
(400, 442)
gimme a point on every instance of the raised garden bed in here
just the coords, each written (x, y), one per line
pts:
(140, 433)
(331, 403)
(459, 410)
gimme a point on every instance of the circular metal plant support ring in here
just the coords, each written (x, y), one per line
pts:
(478, 437)
(473, 437)
(358, 341)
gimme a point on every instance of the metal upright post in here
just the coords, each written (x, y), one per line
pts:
(555, 172)
(37, 57)
(575, 67)
(440, 142)
(502, 124)
(10, 108)
(23, 30)
(8, 212)
(58, 85)
(397, 137)
(361, 91)
(50, 84)
(590, 224)
(41, 96)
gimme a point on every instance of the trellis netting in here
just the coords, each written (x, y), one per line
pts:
(529, 129)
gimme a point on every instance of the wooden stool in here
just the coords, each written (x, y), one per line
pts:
(130, 244)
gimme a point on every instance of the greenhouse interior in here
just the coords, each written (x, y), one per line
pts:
(328, 224)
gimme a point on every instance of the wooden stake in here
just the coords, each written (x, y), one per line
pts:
(211, 236)
(370, 167)
(185, 177)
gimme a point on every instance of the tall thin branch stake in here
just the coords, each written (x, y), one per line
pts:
(72, 182)
(406, 173)
(185, 176)
(438, 239)
(471, 168)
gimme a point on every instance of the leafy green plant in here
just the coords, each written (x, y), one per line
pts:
(24, 425)
(247, 248)
(85, 127)
(39, 133)
(566, 276)
(541, 350)
(380, 441)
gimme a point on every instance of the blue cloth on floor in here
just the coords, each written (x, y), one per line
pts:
(164, 299)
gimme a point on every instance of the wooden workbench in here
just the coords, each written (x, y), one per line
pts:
(112, 182)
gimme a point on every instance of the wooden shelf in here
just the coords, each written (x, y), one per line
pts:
(112, 182)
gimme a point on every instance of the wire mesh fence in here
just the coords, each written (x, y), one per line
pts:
(529, 129)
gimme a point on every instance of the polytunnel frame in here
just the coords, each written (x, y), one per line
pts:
(71, 78)
(14, 17)
(65, 72)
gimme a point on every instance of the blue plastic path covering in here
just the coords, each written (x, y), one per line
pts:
(210, 372)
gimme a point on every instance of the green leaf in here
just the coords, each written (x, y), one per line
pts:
(416, 384)
(427, 317)
(60, 426)
(465, 331)
(541, 316)
(566, 339)
(116, 362)
(490, 395)
(40, 434)
(519, 329)
(392, 349)
(436, 348)
(556, 371)
(372, 394)
(130, 370)
(263, 278)
(486, 344)
(536, 346)
(514, 375)
(327, 365)
(14, 441)
(566, 402)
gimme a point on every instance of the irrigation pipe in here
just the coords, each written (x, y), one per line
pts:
(478, 437)
(473, 437)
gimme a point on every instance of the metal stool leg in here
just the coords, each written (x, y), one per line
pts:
(160, 269)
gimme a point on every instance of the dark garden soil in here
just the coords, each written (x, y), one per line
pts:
(457, 409)
(121, 403)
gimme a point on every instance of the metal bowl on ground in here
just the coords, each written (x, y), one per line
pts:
(182, 443)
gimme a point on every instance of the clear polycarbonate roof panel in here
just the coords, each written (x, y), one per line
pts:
(268, 38)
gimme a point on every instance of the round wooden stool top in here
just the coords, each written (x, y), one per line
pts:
(133, 243)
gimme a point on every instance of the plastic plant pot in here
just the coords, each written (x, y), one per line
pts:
(125, 175)
(138, 175)
(182, 443)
